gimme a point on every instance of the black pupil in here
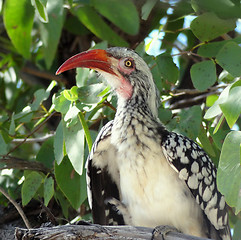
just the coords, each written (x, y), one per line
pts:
(128, 63)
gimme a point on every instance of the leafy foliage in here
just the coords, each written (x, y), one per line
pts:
(48, 123)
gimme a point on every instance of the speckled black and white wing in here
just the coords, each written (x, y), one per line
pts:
(197, 170)
(100, 184)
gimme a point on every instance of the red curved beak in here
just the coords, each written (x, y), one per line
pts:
(96, 59)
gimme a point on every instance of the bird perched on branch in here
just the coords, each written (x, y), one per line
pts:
(138, 172)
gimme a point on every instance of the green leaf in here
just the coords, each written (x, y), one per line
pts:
(73, 25)
(203, 75)
(61, 104)
(211, 49)
(237, 230)
(157, 78)
(3, 146)
(229, 170)
(181, 10)
(74, 143)
(18, 19)
(50, 32)
(48, 190)
(211, 99)
(30, 186)
(90, 94)
(25, 115)
(215, 109)
(71, 94)
(223, 8)
(91, 19)
(164, 114)
(59, 143)
(146, 9)
(218, 137)
(190, 122)
(218, 124)
(225, 77)
(41, 10)
(89, 76)
(12, 126)
(46, 153)
(206, 143)
(123, 14)
(71, 183)
(168, 70)
(71, 117)
(171, 34)
(231, 108)
(63, 202)
(100, 45)
(208, 26)
(82, 75)
(229, 58)
(86, 130)
(39, 96)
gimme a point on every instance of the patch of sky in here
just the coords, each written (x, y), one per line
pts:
(153, 41)
(238, 26)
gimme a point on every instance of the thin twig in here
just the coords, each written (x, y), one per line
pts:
(44, 75)
(34, 140)
(30, 134)
(106, 103)
(190, 100)
(48, 212)
(180, 92)
(19, 209)
(195, 91)
(188, 53)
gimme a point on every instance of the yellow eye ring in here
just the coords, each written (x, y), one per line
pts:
(128, 63)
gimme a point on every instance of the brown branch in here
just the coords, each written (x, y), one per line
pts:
(19, 209)
(196, 91)
(50, 215)
(94, 231)
(180, 103)
(18, 163)
(181, 92)
(106, 103)
(43, 74)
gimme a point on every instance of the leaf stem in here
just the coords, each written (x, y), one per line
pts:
(86, 130)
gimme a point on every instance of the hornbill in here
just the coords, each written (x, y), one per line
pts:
(138, 172)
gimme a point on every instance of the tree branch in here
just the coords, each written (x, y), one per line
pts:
(18, 163)
(94, 231)
(180, 103)
(19, 209)
(178, 92)
(43, 74)
(34, 140)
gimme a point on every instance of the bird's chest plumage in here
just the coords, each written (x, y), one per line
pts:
(149, 187)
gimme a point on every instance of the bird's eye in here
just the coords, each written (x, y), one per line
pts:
(128, 63)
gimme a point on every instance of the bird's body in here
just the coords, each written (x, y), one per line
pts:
(139, 173)
(148, 178)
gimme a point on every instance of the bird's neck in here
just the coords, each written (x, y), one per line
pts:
(131, 118)
(135, 107)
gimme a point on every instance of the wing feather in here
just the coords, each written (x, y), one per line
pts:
(100, 184)
(199, 173)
